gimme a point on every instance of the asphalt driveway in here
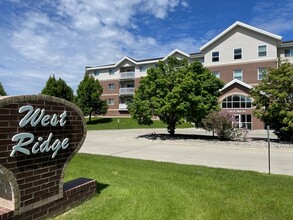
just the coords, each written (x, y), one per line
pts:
(125, 143)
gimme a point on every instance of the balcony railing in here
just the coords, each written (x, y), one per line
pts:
(126, 91)
(127, 75)
(123, 107)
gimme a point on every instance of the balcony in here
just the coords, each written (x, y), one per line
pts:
(123, 107)
(126, 91)
(127, 75)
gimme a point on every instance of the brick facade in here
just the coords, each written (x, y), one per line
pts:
(36, 177)
(249, 71)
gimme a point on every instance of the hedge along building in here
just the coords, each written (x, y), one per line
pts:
(38, 137)
(239, 56)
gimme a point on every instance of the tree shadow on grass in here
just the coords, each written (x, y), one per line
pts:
(99, 121)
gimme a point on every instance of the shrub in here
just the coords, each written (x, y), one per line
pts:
(222, 123)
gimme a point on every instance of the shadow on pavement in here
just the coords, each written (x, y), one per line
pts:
(163, 137)
(155, 136)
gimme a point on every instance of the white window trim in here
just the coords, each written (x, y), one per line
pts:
(241, 74)
(258, 72)
(267, 50)
(241, 53)
(215, 73)
(96, 72)
(112, 72)
(218, 56)
(108, 102)
(291, 49)
(109, 87)
(233, 94)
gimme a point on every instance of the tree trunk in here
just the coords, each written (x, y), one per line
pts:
(90, 117)
(171, 128)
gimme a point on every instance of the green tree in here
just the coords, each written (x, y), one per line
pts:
(273, 99)
(175, 91)
(89, 97)
(2, 90)
(58, 88)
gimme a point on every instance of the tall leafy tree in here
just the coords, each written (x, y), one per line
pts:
(58, 88)
(273, 99)
(175, 91)
(89, 97)
(2, 91)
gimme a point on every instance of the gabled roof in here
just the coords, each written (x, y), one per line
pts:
(124, 59)
(139, 62)
(240, 24)
(176, 51)
(234, 81)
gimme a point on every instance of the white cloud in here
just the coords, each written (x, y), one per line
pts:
(274, 16)
(62, 38)
(184, 4)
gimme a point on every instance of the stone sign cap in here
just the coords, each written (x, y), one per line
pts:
(39, 135)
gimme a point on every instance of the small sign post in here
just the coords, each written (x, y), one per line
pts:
(269, 148)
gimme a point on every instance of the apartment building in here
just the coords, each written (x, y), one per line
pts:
(239, 56)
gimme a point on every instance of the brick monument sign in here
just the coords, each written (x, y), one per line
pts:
(38, 137)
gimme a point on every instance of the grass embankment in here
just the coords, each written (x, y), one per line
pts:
(125, 123)
(136, 189)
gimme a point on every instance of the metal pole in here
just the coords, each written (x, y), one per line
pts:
(269, 148)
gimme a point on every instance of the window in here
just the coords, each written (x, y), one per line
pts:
(142, 68)
(111, 86)
(96, 72)
(236, 101)
(237, 74)
(111, 72)
(246, 122)
(110, 101)
(130, 85)
(237, 53)
(215, 56)
(288, 52)
(216, 74)
(261, 71)
(262, 51)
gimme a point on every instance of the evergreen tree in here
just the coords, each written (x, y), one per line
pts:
(2, 91)
(89, 97)
(58, 88)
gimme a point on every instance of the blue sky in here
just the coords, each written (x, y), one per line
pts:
(41, 38)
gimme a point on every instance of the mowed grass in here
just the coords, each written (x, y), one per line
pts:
(125, 123)
(137, 189)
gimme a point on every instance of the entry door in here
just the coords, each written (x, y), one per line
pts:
(246, 121)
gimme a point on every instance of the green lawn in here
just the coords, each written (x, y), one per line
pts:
(137, 189)
(125, 123)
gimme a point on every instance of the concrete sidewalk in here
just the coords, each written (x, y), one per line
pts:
(124, 143)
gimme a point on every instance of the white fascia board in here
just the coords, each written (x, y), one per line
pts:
(138, 62)
(238, 23)
(148, 62)
(236, 81)
(120, 61)
(176, 51)
(123, 59)
(100, 67)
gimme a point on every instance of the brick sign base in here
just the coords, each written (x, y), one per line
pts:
(39, 135)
